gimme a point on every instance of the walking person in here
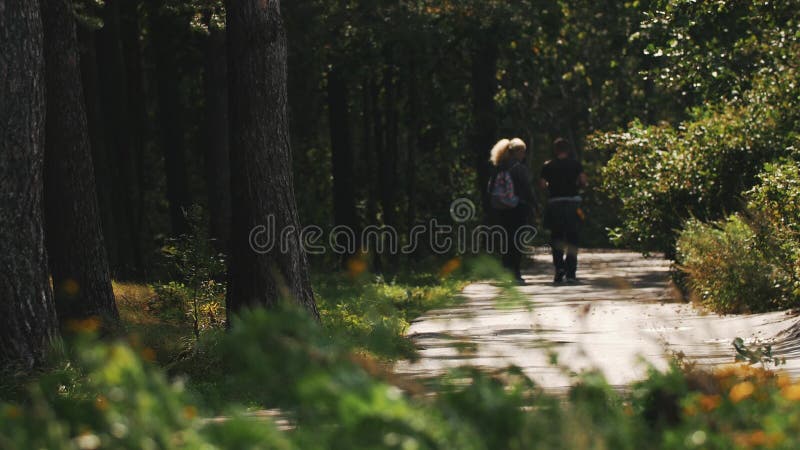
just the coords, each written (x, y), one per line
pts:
(562, 177)
(512, 198)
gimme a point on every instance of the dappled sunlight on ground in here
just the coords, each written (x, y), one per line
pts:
(621, 313)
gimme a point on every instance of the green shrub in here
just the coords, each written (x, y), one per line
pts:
(664, 175)
(104, 396)
(774, 205)
(727, 269)
(733, 407)
(170, 301)
(199, 296)
(750, 261)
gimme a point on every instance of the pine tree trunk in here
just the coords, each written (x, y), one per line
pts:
(261, 168)
(414, 112)
(388, 157)
(94, 118)
(77, 254)
(344, 208)
(117, 138)
(27, 314)
(377, 150)
(217, 159)
(369, 152)
(130, 31)
(164, 25)
(484, 128)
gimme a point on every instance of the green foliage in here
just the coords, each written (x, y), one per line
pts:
(564, 68)
(727, 270)
(749, 262)
(104, 396)
(756, 354)
(199, 296)
(734, 66)
(704, 50)
(736, 407)
(374, 313)
(662, 175)
(774, 205)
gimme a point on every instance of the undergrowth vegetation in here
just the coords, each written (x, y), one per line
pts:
(750, 261)
(718, 190)
(323, 394)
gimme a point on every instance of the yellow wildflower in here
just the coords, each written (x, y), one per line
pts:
(84, 325)
(148, 354)
(356, 266)
(13, 412)
(783, 380)
(791, 392)
(710, 402)
(450, 266)
(189, 412)
(101, 403)
(741, 391)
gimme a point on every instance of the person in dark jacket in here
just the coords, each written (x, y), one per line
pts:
(508, 156)
(562, 177)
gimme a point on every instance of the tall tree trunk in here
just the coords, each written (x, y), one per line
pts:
(344, 207)
(27, 313)
(130, 31)
(368, 150)
(164, 25)
(77, 254)
(484, 128)
(414, 111)
(217, 159)
(377, 150)
(388, 157)
(261, 168)
(117, 134)
(94, 118)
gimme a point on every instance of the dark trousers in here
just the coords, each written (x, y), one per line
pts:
(563, 221)
(512, 220)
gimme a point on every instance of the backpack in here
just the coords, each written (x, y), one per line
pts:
(501, 191)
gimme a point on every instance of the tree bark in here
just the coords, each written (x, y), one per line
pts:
(376, 116)
(217, 159)
(414, 112)
(130, 31)
(388, 157)
(261, 168)
(27, 314)
(344, 208)
(117, 137)
(369, 150)
(164, 25)
(484, 128)
(94, 118)
(77, 254)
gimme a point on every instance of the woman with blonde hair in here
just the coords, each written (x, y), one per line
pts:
(511, 197)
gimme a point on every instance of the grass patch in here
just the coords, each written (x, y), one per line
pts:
(373, 313)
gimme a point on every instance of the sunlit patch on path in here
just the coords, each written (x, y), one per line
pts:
(622, 312)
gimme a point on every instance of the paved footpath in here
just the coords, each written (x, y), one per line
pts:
(622, 312)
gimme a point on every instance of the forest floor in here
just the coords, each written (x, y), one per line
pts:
(623, 312)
